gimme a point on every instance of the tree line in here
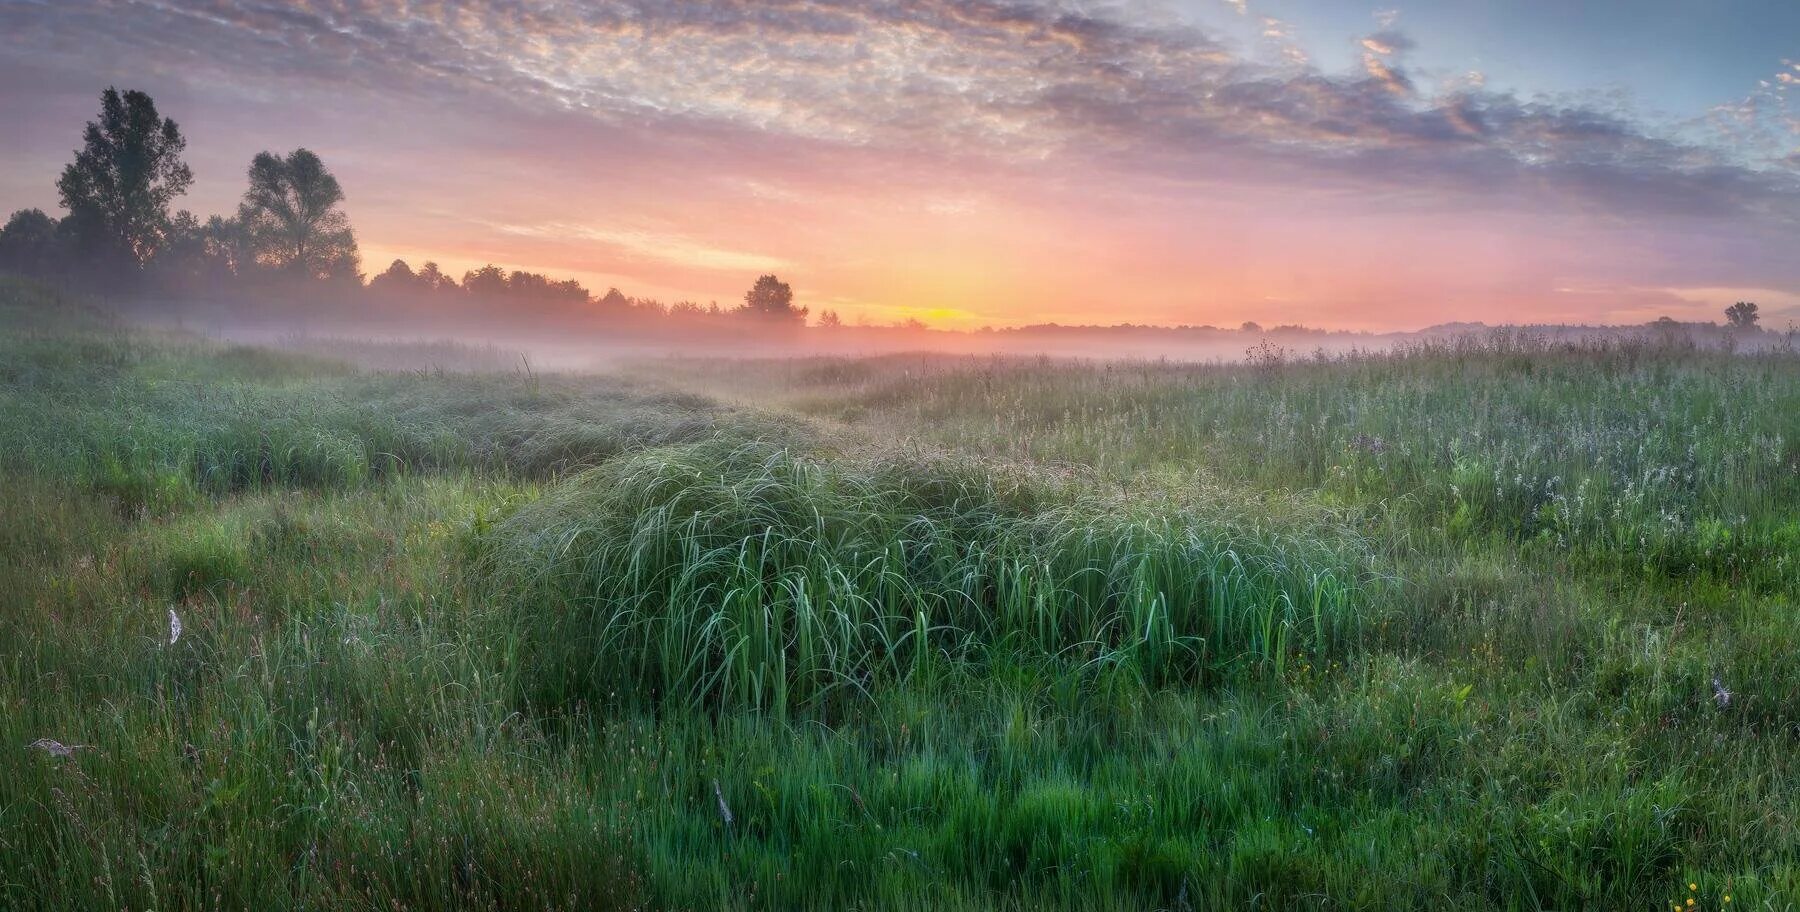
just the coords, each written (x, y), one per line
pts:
(121, 234)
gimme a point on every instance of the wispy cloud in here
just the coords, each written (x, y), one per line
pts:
(666, 247)
(1765, 123)
(982, 77)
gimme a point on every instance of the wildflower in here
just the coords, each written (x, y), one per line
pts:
(56, 748)
(1721, 696)
(724, 809)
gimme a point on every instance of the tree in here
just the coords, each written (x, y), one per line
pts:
(1742, 315)
(1250, 326)
(487, 282)
(28, 243)
(829, 319)
(772, 299)
(533, 287)
(291, 211)
(433, 279)
(181, 263)
(227, 246)
(398, 278)
(203, 257)
(119, 186)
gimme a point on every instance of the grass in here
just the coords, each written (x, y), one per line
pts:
(1444, 628)
(1670, 457)
(751, 575)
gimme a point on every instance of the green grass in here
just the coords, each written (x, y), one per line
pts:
(749, 574)
(1438, 629)
(1674, 460)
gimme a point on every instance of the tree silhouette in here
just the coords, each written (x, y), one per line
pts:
(28, 243)
(228, 246)
(772, 299)
(487, 282)
(398, 278)
(181, 263)
(203, 257)
(829, 319)
(291, 211)
(119, 186)
(1742, 315)
(433, 279)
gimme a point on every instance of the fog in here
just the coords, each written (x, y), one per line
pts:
(373, 335)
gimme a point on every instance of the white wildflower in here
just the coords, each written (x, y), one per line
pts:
(724, 809)
(56, 748)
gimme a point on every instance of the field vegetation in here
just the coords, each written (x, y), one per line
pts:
(1497, 623)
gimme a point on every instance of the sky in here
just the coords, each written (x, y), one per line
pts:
(996, 162)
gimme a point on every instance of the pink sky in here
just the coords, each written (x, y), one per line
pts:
(969, 164)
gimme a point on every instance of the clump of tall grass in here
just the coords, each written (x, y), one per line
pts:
(729, 573)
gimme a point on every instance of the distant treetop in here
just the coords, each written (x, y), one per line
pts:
(772, 299)
(1742, 315)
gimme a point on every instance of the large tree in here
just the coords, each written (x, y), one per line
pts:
(119, 186)
(1742, 315)
(294, 220)
(772, 299)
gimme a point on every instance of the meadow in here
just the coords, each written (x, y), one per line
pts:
(1490, 623)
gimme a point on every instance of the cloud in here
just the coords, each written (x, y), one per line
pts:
(1377, 49)
(999, 78)
(666, 247)
(1387, 75)
(1387, 43)
(1764, 126)
(1088, 86)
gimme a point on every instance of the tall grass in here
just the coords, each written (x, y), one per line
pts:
(1635, 455)
(751, 574)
